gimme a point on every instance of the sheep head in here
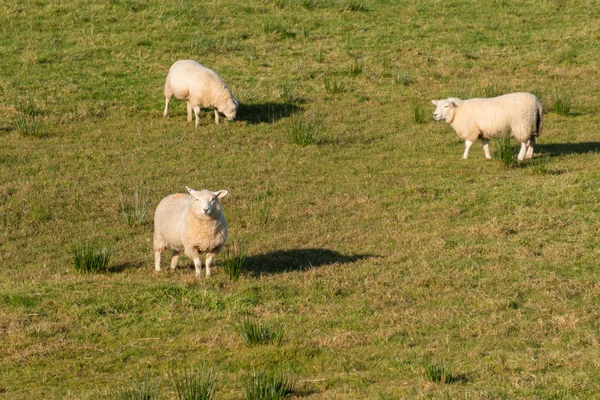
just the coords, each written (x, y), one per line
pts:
(229, 109)
(207, 203)
(444, 109)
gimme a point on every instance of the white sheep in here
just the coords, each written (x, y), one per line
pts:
(517, 114)
(199, 86)
(193, 223)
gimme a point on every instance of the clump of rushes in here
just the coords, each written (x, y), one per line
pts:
(418, 115)
(256, 333)
(234, 263)
(146, 390)
(91, 259)
(561, 103)
(28, 121)
(333, 86)
(194, 384)
(439, 373)
(505, 151)
(356, 68)
(135, 212)
(303, 130)
(268, 385)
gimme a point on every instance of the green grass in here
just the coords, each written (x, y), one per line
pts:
(373, 249)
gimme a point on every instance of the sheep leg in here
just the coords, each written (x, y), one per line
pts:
(486, 148)
(209, 260)
(167, 101)
(530, 145)
(189, 110)
(197, 112)
(216, 116)
(174, 259)
(157, 260)
(521, 155)
(468, 144)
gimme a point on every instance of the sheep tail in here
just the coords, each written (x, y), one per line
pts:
(539, 121)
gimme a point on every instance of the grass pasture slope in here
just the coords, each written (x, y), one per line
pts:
(392, 267)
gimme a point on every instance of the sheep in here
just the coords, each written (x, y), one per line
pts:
(193, 223)
(519, 114)
(199, 86)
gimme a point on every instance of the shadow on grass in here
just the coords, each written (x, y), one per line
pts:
(266, 112)
(559, 149)
(120, 267)
(298, 260)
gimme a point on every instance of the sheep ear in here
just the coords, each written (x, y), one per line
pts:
(192, 191)
(434, 102)
(221, 193)
(452, 104)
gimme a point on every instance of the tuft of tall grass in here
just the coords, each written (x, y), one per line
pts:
(135, 212)
(539, 165)
(353, 5)
(274, 28)
(505, 152)
(193, 384)
(262, 208)
(403, 79)
(289, 93)
(333, 86)
(494, 90)
(256, 333)
(319, 56)
(310, 4)
(27, 122)
(439, 373)
(418, 114)
(234, 262)
(146, 390)
(303, 130)
(268, 385)
(562, 102)
(356, 68)
(91, 259)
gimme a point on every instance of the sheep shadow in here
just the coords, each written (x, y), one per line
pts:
(298, 260)
(123, 266)
(266, 112)
(560, 149)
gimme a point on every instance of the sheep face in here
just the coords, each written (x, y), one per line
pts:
(207, 203)
(230, 108)
(444, 109)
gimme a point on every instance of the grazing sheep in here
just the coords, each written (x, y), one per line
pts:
(193, 223)
(519, 114)
(199, 86)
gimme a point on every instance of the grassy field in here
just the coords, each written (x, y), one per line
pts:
(378, 254)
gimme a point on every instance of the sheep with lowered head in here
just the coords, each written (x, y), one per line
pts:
(200, 87)
(192, 223)
(517, 114)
